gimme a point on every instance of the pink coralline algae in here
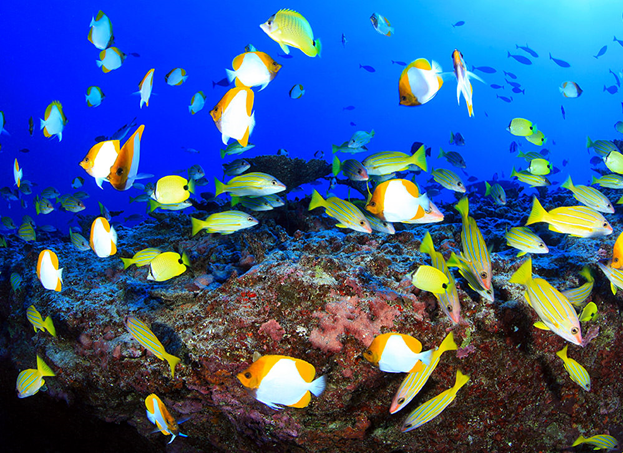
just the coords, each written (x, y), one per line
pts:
(346, 318)
(272, 329)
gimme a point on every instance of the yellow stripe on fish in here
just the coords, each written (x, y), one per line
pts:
(149, 341)
(448, 179)
(433, 407)
(347, 214)
(227, 222)
(530, 179)
(474, 248)
(578, 295)
(468, 272)
(614, 275)
(589, 196)
(553, 308)
(252, 184)
(577, 372)
(37, 321)
(577, 221)
(31, 380)
(142, 258)
(387, 162)
(413, 383)
(524, 240)
(599, 441)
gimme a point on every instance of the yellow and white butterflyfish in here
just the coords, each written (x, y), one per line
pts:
(289, 28)
(463, 85)
(124, 170)
(253, 69)
(197, 102)
(278, 380)
(158, 414)
(103, 239)
(553, 308)
(94, 96)
(54, 120)
(234, 116)
(176, 77)
(100, 33)
(398, 200)
(31, 380)
(100, 159)
(17, 174)
(110, 59)
(577, 221)
(48, 272)
(397, 353)
(38, 323)
(144, 88)
(419, 82)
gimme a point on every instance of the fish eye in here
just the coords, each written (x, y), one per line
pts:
(119, 171)
(408, 425)
(180, 261)
(86, 159)
(483, 274)
(404, 98)
(444, 286)
(247, 375)
(274, 182)
(249, 219)
(460, 184)
(368, 352)
(449, 307)
(541, 245)
(401, 400)
(372, 204)
(574, 330)
(362, 223)
(605, 224)
(186, 187)
(616, 260)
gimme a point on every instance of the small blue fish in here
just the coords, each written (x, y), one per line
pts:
(459, 24)
(519, 90)
(527, 49)
(513, 84)
(601, 52)
(344, 41)
(561, 63)
(616, 78)
(485, 69)
(287, 57)
(349, 107)
(496, 87)
(611, 89)
(510, 74)
(514, 147)
(505, 99)
(399, 63)
(367, 68)
(222, 83)
(520, 58)
(562, 109)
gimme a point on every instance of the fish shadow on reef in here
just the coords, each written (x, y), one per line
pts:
(171, 341)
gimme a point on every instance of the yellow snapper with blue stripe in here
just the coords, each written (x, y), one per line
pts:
(141, 258)
(79, 241)
(601, 147)
(530, 179)
(474, 248)
(449, 299)
(468, 272)
(453, 158)
(252, 203)
(397, 353)
(413, 382)
(615, 276)
(577, 221)
(448, 179)
(38, 323)
(27, 232)
(529, 156)
(100, 31)
(496, 192)
(577, 372)
(611, 181)
(589, 196)
(54, 120)
(152, 205)
(599, 441)
(167, 265)
(553, 308)
(379, 225)
(227, 222)
(31, 380)
(289, 28)
(360, 138)
(158, 414)
(387, 162)
(433, 407)
(149, 341)
(250, 184)
(524, 240)
(351, 168)
(578, 295)
(347, 214)
(16, 281)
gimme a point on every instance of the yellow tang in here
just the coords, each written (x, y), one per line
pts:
(289, 28)
(167, 265)
(521, 127)
(173, 189)
(428, 278)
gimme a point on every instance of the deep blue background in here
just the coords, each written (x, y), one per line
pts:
(46, 56)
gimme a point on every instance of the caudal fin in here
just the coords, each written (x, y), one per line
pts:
(43, 368)
(172, 362)
(537, 214)
(49, 326)
(318, 385)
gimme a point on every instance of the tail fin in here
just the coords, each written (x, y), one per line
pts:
(578, 441)
(337, 165)
(523, 275)
(426, 357)
(448, 344)
(231, 75)
(316, 200)
(589, 144)
(419, 158)
(127, 262)
(461, 380)
(43, 368)
(318, 46)
(219, 187)
(172, 362)
(198, 225)
(562, 354)
(318, 385)
(538, 213)
(487, 189)
(568, 184)
(587, 274)
(463, 207)
(427, 245)
(594, 181)
(49, 326)
(441, 153)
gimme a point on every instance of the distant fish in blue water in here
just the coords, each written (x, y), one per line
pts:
(282, 152)
(510, 74)
(565, 162)
(100, 33)
(528, 50)
(297, 91)
(618, 40)
(224, 82)
(595, 160)
(616, 78)
(457, 139)
(235, 168)
(94, 96)
(562, 109)
(349, 107)
(399, 63)
(54, 120)
(463, 77)
(459, 24)
(520, 58)
(353, 124)
(176, 77)
(519, 90)
(611, 89)
(513, 84)
(485, 69)
(197, 102)
(110, 59)
(144, 88)
(344, 40)
(561, 63)
(504, 98)
(381, 24)
(496, 87)
(367, 68)
(514, 147)
(286, 56)
(570, 90)
(601, 52)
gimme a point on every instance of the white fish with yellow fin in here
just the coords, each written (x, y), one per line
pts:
(54, 120)
(18, 173)
(158, 414)
(253, 69)
(463, 84)
(397, 353)
(110, 59)
(124, 171)
(48, 272)
(94, 96)
(176, 77)
(419, 82)
(103, 238)
(197, 102)
(100, 159)
(100, 31)
(144, 88)
(234, 116)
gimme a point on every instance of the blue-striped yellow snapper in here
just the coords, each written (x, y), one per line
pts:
(289, 28)
(226, 222)
(278, 380)
(38, 323)
(577, 372)
(149, 341)
(31, 380)
(577, 221)
(346, 213)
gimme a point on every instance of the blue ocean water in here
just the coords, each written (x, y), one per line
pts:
(47, 57)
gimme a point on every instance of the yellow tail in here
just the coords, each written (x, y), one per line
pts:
(127, 262)
(43, 368)
(579, 440)
(198, 225)
(448, 344)
(463, 207)
(523, 275)
(316, 200)
(461, 380)
(172, 362)
(427, 245)
(49, 326)
(419, 158)
(538, 213)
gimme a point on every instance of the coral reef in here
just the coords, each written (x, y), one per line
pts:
(305, 289)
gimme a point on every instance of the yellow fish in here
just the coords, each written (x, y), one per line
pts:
(289, 28)
(173, 189)
(149, 341)
(38, 323)
(577, 221)
(158, 414)
(48, 272)
(167, 265)
(30, 381)
(234, 116)
(428, 278)
(521, 127)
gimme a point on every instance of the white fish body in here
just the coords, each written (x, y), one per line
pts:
(234, 121)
